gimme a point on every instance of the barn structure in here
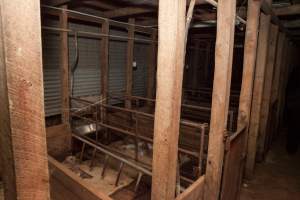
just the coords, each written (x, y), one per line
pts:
(146, 99)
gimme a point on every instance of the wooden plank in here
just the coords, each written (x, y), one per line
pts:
(278, 66)
(194, 191)
(151, 66)
(65, 184)
(127, 11)
(58, 140)
(220, 101)
(169, 89)
(22, 119)
(288, 10)
(64, 67)
(129, 63)
(261, 62)
(266, 100)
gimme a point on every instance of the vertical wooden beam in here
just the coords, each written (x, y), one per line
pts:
(152, 66)
(267, 92)
(22, 119)
(261, 62)
(226, 14)
(168, 98)
(250, 50)
(129, 71)
(104, 61)
(64, 67)
(278, 67)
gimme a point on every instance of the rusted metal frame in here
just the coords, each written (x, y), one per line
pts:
(119, 158)
(96, 35)
(226, 15)
(93, 18)
(146, 139)
(182, 122)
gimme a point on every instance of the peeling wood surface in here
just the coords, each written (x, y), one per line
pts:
(193, 192)
(22, 132)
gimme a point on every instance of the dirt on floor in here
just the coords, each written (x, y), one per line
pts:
(278, 178)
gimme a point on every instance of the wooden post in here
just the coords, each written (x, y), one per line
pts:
(278, 67)
(250, 49)
(267, 92)
(261, 62)
(168, 98)
(152, 66)
(104, 61)
(226, 14)
(64, 67)
(22, 119)
(129, 71)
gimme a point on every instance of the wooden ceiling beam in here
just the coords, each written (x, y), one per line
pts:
(56, 2)
(292, 24)
(127, 11)
(100, 4)
(288, 10)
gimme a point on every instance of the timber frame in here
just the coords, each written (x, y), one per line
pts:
(230, 157)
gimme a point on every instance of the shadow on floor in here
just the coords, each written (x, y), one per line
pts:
(278, 178)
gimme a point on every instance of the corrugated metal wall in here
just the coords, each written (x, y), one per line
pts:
(87, 78)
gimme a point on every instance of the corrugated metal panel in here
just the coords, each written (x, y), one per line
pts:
(140, 74)
(117, 64)
(87, 75)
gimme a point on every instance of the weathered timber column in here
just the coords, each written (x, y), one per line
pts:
(151, 66)
(168, 98)
(261, 62)
(104, 61)
(64, 67)
(226, 14)
(22, 120)
(129, 71)
(267, 92)
(253, 15)
(278, 67)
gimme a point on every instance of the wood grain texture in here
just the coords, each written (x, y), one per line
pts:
(64, 67)
(194, 191)
(129, 62)
(261, 63)
(22, 134)
(220, 99)
(168, 97)
(266, 100)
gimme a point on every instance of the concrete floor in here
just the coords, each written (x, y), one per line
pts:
(278, 178)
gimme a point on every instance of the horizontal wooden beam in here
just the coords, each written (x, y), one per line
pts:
(100, 4)
(292, 24)
(127, 11)
(288, 10)
(56, 2)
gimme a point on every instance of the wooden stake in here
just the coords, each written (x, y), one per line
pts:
(64, 67)
(267, 92)
(129, 71)
(22, 119)
(221, 91)
(261, 62)
(169, 88)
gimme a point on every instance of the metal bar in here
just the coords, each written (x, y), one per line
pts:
(96, 35)
(105, 165)
(184, 151)
(119, 173)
